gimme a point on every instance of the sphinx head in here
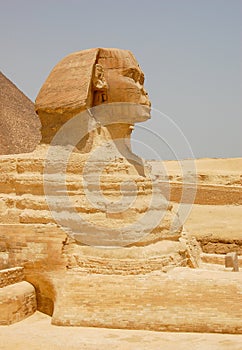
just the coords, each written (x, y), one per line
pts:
(90, 78)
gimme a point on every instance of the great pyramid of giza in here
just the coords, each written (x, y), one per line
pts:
(19, 124)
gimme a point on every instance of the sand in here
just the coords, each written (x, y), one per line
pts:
(37, 333)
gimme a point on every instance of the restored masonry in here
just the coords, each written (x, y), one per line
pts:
(17, 297)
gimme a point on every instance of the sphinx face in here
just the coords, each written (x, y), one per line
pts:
(124, 79)
(127, 85)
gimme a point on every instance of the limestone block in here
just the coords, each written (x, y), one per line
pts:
(231, 260)
(17, 301)
(11, 276)
(187, 300)
(217, 259)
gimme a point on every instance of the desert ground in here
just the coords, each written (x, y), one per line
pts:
(37, 333)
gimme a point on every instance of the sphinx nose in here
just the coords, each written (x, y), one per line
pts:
(149, 103)
(144, 97)
(145, 100)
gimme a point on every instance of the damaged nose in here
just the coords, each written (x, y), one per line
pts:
(145, 97)
(145, 100)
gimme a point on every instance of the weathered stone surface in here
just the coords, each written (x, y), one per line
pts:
(49, 258)
(33, 239)
(11, 276)
(17, 301)
(19, 124)
(40, 248)
(73, 81)
(91, 78)
(86, 239)
(184, 300)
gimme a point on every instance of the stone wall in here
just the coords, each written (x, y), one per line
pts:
(183, 300)
(17, 297)
(11, 276)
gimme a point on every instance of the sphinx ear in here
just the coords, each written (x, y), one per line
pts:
(99, 81)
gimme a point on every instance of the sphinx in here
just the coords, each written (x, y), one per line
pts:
(87, 218)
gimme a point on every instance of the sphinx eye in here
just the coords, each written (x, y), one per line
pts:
(132, 73)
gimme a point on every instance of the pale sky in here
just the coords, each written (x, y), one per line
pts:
(189, 50)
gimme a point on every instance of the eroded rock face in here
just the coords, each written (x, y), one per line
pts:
(33, 239)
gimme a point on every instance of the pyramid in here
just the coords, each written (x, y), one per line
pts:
(19, 124)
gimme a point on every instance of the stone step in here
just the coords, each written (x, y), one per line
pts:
(76, 163)
(17, 302)
(17, 297)
(29, 183)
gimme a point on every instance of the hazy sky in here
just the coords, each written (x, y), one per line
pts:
(189, 50)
